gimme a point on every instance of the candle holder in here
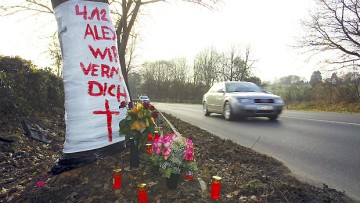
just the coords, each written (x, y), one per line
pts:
(148, 149)
(156, 134)
(116, 178)
(189, 175)
(215, 188)
(142, 193)
(150, 137)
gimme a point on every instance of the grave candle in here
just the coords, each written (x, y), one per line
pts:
(215, 188)
(148, 149)
(142, 193)
(117, 178)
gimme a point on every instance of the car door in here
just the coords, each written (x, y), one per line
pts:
(210, 99)
(219, 97)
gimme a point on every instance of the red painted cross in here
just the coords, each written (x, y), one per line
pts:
(108, 117)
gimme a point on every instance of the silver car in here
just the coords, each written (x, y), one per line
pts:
(244, 99)
(144, 98)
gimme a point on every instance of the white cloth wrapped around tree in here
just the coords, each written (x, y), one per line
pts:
(93, 82)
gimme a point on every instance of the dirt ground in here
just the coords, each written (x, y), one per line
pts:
(247, 176)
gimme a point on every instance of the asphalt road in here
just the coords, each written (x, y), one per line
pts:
(317, 147)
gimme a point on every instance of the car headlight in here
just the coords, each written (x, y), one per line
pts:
(242, 100)
(279, 101)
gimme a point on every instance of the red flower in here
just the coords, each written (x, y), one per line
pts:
(146, 105)
(131, 105)
(152, 108)
(155, 114)
(122, 105)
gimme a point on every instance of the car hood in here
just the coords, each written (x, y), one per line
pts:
(253, 95)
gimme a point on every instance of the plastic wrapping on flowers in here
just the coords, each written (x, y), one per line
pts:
(173, 154)
(139, 122)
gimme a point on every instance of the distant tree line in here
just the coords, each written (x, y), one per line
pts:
(25, 89)
(178, 81)
(344, 88)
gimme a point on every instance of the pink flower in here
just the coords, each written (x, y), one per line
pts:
(166, 153)
(157, 142)
(167, 144)
(189, 157)
(40, 183)
(167, 141)
(156, 150)
(189, 143)
(189, 151)
(189, 154)
(172, 136)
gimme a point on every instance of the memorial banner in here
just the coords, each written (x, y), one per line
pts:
(93, 82)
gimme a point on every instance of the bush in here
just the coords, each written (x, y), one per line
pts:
(26, 89)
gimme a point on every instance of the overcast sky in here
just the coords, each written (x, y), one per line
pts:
(170, 30)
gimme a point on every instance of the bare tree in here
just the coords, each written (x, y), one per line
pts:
(207, 65)
(334, 28)
(237, 67)
(129, 12)
(32, 7)
(125, 12)
(55, 54)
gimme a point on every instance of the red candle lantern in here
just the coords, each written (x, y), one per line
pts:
(156, 134)
(189, 175)
(117, 178)
(215, 188)
(148, 149)
(142, 193)
(150, 137)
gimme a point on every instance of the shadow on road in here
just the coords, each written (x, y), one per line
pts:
(249, 121)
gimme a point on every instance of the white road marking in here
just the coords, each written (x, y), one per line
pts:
(326, 121)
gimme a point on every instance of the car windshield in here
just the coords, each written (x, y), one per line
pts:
(242, 87)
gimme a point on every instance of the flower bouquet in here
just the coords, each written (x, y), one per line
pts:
(138, 123)
(173, 154)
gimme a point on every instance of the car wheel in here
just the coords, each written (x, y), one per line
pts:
(228, 114)
(205, 109)
(273, 118)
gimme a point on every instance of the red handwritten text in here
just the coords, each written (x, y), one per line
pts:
(106, 33)
(103, 33)
(105, 70)
(98, 15)
(110, 52)
(108, 114)
(97, 89)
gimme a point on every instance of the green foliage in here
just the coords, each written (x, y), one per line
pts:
(173, 154)
(316, 78)
(318, 106)
(26, 89)
(336, 94)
